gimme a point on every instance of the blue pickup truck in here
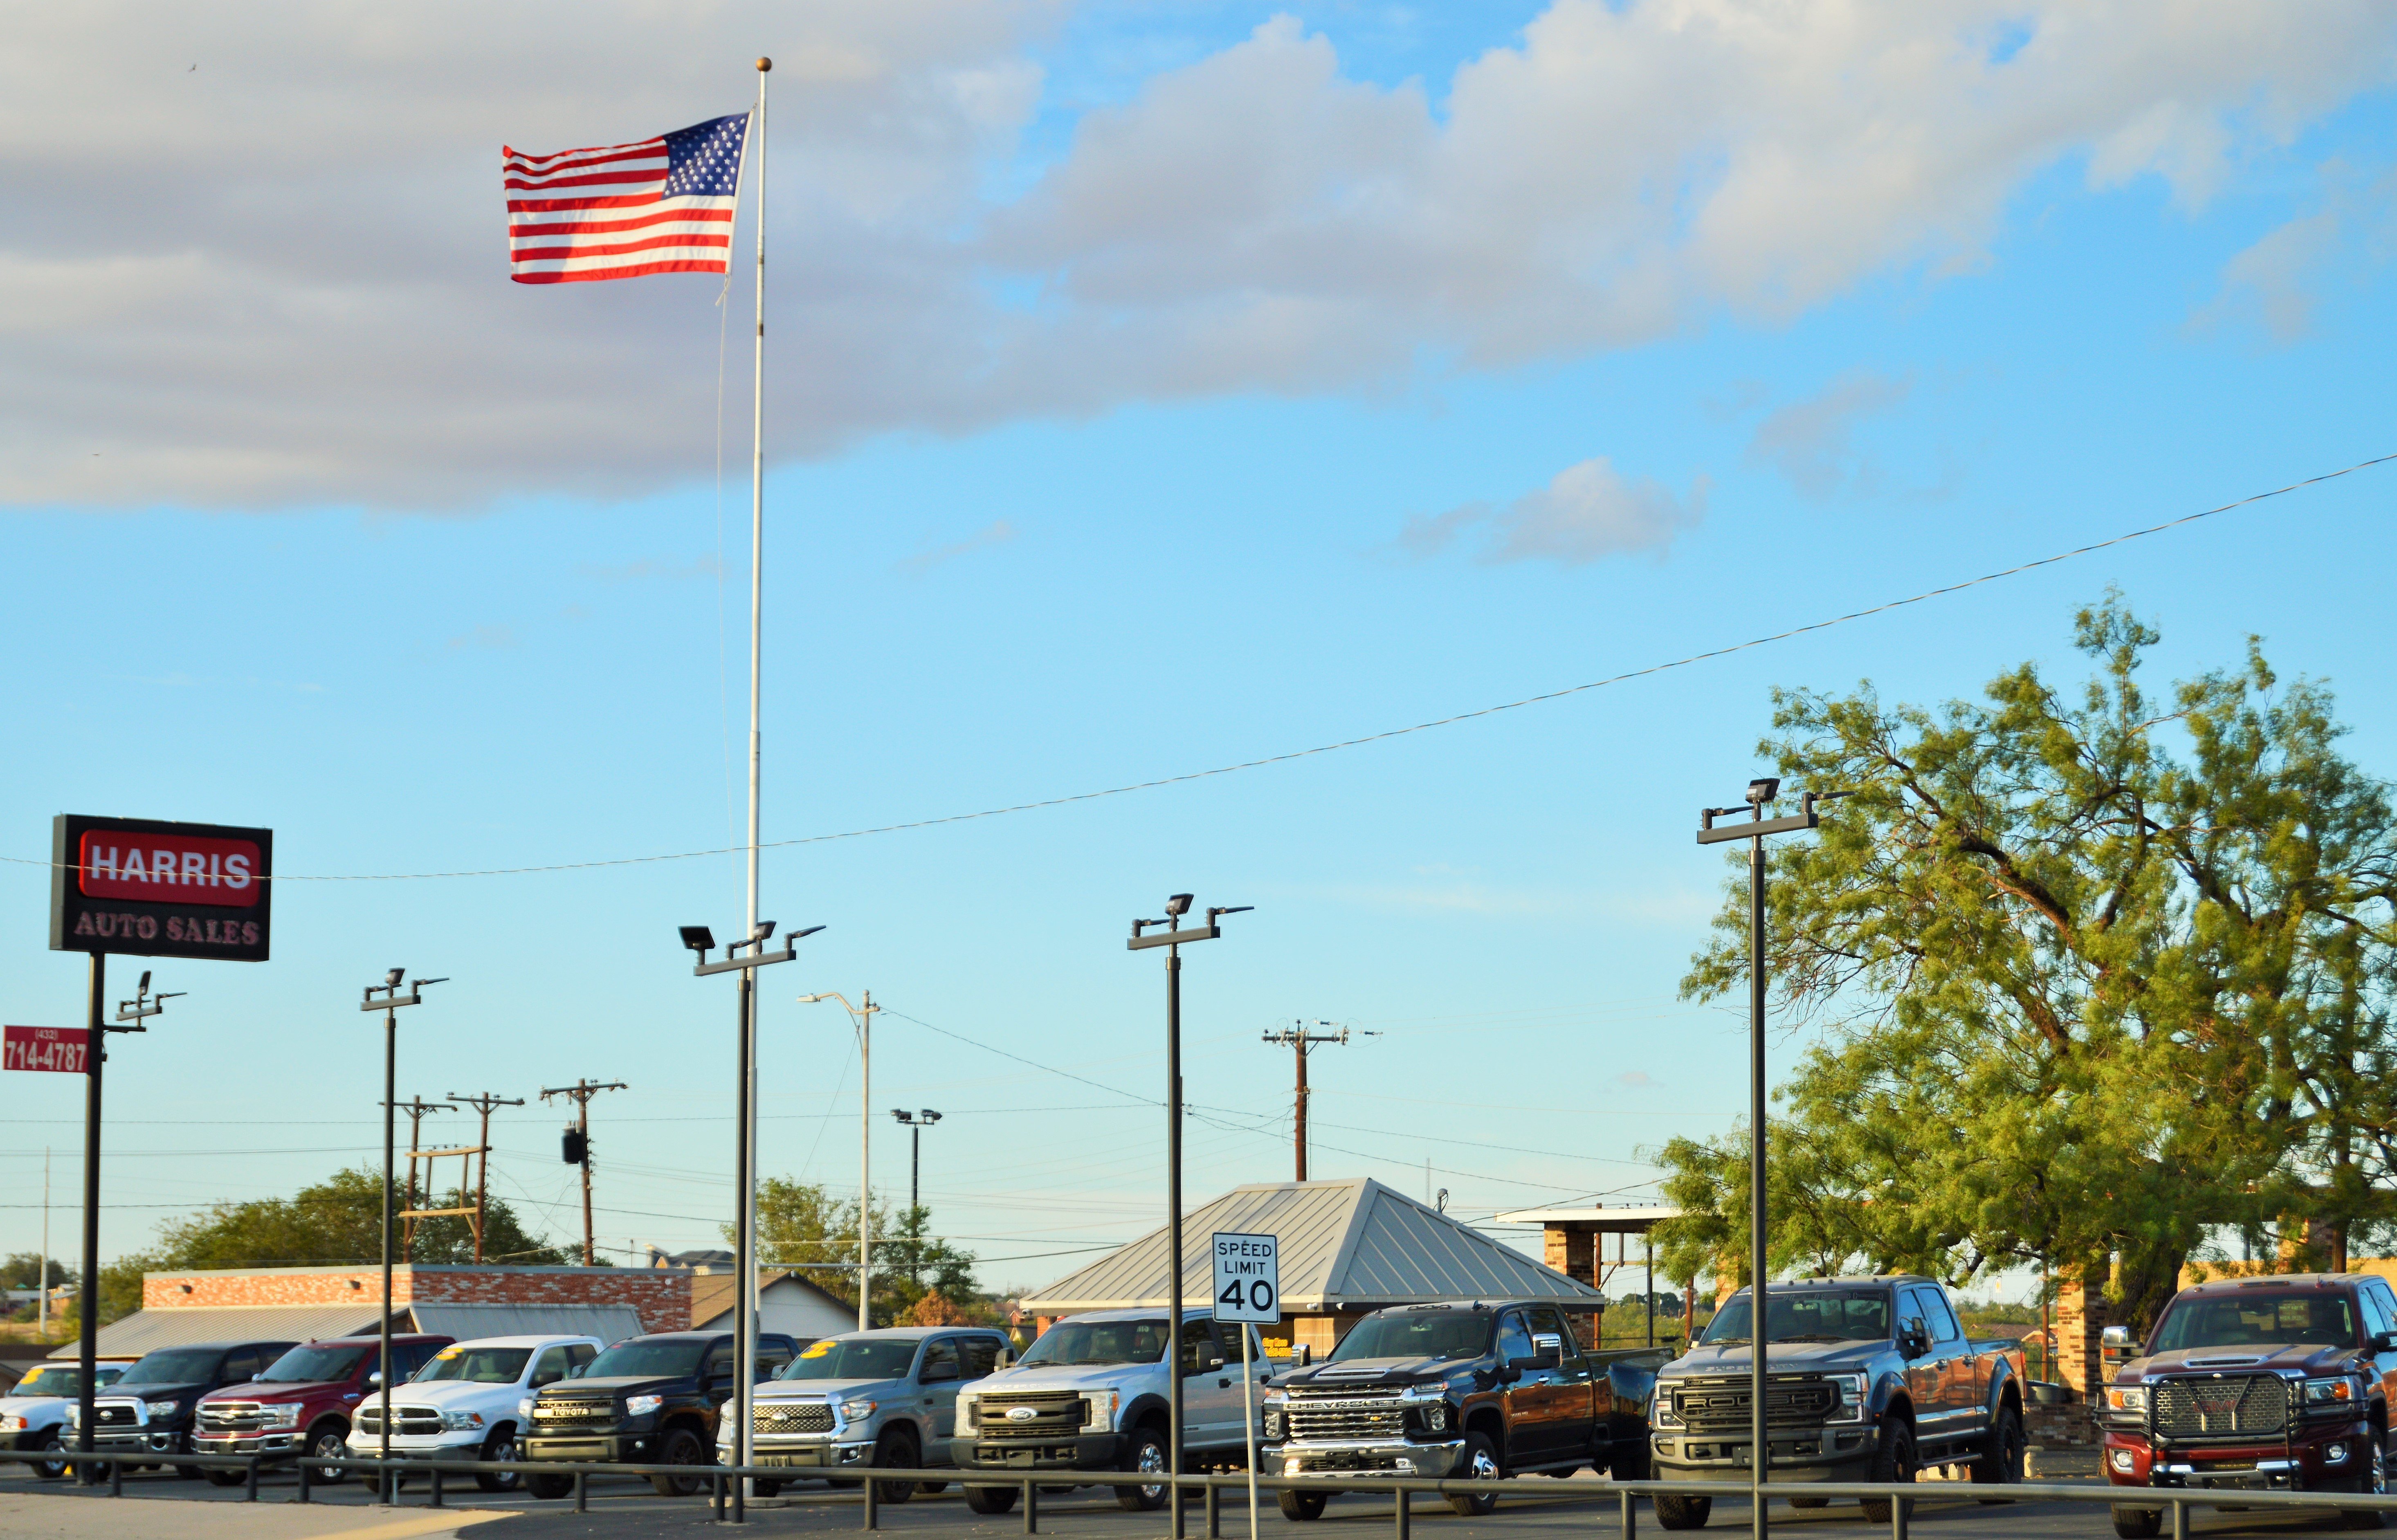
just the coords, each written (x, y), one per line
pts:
(1870, 1379)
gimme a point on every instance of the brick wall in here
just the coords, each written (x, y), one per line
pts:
(660, 1296)
(2080, 1325)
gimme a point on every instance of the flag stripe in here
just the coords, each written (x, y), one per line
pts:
(663, 205)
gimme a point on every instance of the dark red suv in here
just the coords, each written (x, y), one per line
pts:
(306, 1399)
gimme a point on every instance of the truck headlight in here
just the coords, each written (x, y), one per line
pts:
(12, 1424)
(641, 1406)
(857, 1411)
(969, 1413)
(74, 1416)
(2329, 1392)
(1273, 1425)
(461, 1422)
(1660, 1410)
(162, 1409)
(2126, 1398)
(1099, 1409)
(286, 1415)
(1852, 1393)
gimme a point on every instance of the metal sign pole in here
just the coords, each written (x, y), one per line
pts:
(88, 1294)
(1249, 1424)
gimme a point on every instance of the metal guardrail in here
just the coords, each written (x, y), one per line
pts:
(725, 1484)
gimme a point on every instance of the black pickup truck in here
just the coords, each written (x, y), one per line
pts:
(647, 1401)
(1869, 1379)
(1473, 1390)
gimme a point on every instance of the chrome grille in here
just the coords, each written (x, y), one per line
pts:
(792, 1417)
(1725, 1402)
(230, 1417)
(549, 1415)
(2219, 1406)
(407, 1420)
(1347, 1420)
(1055, 1414)
(115, 1414)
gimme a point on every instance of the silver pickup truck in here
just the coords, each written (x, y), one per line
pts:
(885, 1397)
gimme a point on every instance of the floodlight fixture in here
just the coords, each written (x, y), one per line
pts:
(699, 938)
(144, 987)
(928, 1115)
(764, 928)
(1177, 906)
(1763, 789)
(392, 976)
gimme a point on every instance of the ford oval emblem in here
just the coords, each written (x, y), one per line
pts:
(1021, 1413)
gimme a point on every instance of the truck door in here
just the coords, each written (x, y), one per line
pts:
(939, 1375)
(1926, 1375)
(1581, 1395)
(1961, 1374)
(1210, 1386)
(2379, 1326)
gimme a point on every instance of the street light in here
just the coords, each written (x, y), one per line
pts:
(1171, 939)
(864, 1014)
(701, 940)
(389, 1005)
(916, 1123)
(1759, 791)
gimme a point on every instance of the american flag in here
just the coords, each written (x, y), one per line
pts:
(618, 212)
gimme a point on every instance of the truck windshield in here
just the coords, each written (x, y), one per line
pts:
(1100, 1342)
(638, 1360)
(858, 1359)
(1428, 1334)
(174, 1366)
(314, 1363)
(482, 1365)
(2256, 1321)
(59, 1379)
(1817, 1315)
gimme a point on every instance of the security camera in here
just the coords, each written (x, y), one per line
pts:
(1177, 906)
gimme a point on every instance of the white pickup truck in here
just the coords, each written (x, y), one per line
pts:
(468, 1402)
(35, 1415)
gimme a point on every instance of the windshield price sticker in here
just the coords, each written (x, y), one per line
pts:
(1248, 1277)
(58, 1049)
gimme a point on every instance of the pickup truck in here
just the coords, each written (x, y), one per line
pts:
(463, 1404)
(34, 1415)
(1090, 1400)
(150, 1409)
(305, 1401)
(1477, 1390)
(885, 1397)
(1871, 1380)
(2257, 1384)
(655, 1399)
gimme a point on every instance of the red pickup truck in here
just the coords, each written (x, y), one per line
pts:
(304, 1401)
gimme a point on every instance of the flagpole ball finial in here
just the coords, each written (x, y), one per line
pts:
(765, 64)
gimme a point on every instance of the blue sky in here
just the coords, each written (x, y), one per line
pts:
(1154, 388)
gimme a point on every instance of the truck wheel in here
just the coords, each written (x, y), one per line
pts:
(990, 1499)
(1302, 1505)
(762, 1488)
(2001, 1458)
(2139, 1523)
(896, 1450)
(328, 1439)
(224, 1478)
(1677, 1510)
(191, 1473)
(1807, 1502)
(1479, 1464)
(931, 1489)
(501, 1446)
(2372, 1483)
(1146, 1456)
(1893, 1465)
(54, 1459)
(679, 1447)
(549, 1488)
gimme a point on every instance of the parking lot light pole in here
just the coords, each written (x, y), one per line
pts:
(1171, 938)
(1759, 791)
(389, 1005)
(744, 958)
(864, 1014)
(916, 1123)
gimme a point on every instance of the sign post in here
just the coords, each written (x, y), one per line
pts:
(1248, 1292)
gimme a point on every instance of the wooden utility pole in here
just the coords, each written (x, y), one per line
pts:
(416, 1107)
(483, 1103)
(578, 1143)
(1297, 1037)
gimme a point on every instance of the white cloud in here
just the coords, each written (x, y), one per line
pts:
(1812, 441)
(1586, 513)
(280, 277)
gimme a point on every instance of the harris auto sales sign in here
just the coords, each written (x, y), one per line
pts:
(137, 887)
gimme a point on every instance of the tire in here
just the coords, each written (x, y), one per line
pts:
(1479, 1463)
(54, 1463)
(224, 1478)
(1630, 1463)
(990, 1499)
(1147, 1457)
(2139, 1523)
(1809, 1502)
(1893, 1465)
(760, 1488)
(896, 1449)
(2372, 1482)
(931, 1489)
(1302, 1506)
(324, 1440)
(501, 1445)
(549, 1488)
(1677, 1510)
(679, 1447)
(2001, 1457)
(192, 1473)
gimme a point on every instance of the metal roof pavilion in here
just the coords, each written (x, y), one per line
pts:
(1345, 1245)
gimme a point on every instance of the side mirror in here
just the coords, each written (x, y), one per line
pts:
(576, 1371)
(374, 1378)
(1914, 1338)
(2120, 1339)
(1549, 1350)
(2385, 1342)
(1303, 1354)
(260, 1375)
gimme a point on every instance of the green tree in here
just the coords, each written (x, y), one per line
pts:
(2088, 976)
(23, 1270)
(803, 1222)
(339, 1221)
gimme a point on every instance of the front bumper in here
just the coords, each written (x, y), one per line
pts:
(2303, 1462)
(1825, 1453)
(593, 1448)
(1084, 1452)
(1363, 1457)
(462, 1443)
(823, 1453)
(276, 1440)
(147, 1440)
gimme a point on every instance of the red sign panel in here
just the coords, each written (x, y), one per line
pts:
(59, 1048)
(169, 868)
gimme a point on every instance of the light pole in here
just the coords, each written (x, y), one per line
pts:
(1759, 791)
(864, 1014)
(389, 1005)
(701, 940)
(1171, 939)
(917, 1122)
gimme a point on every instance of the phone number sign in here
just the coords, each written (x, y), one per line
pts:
(61, 1049)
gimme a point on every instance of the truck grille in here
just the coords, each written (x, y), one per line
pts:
(1725, 1402)
(230, 1417)
(408, 1421)
(1380, 1419)
(1056, 1414)
(115, 1414)
(791, 1417)
(561, 1415)
(2239, 1406)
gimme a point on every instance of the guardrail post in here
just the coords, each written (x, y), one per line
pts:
(436, 1486)
(581, 1490)
(716, 1494)
(2179, 1519)
(872, 1490)
(306, 1495)
(1900, 1509)
(116, 1477)
(249, 1488)
(1404, 1509)
(1031, 1507)
(1631, 1517)
(1214, 1511)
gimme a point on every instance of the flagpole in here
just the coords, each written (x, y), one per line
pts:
(745, 1338)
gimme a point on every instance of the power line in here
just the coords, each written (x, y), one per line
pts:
(1541, 699)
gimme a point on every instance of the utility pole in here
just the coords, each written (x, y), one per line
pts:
(578, 1142)
(1297, 1035)
(416, 1107)
(483, 1103)
(864, 1014)
(44, 1315)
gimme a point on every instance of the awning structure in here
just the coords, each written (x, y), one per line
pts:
(1345, 1245)
(145, 1330)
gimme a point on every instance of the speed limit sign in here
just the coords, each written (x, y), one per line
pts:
(1247, 1279)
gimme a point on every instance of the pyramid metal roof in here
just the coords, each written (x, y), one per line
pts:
(1347, 1245)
